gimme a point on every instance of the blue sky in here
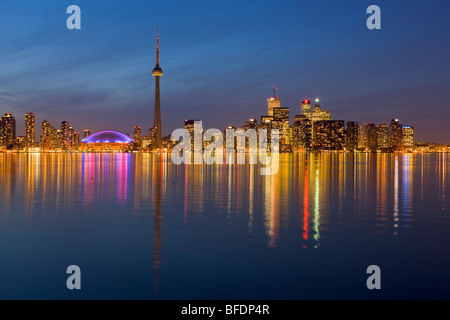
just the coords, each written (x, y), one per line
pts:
(222, 58)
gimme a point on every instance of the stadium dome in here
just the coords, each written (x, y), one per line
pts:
(108, 136)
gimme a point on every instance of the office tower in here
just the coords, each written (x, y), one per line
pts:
(30, 130)
(189, 126)
(157, 73)
(71, 136)
(138, 137)
(320, 115)
(396, 135)
(408, 137)
(8, 130)
(305, 109)
(370, 137)
(76, 139)
(55, 138)
(251, 124)
(281, 122)
(64, 135)
(273, 102)
(326, 115)
(86, 133)
(329, 135)
(266, 120)
(46, 135)
(252, 140)
(195, 127)
(383, 137)
(301, 133)
(352, 136)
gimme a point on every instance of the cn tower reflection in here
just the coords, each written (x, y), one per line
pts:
(158, 167)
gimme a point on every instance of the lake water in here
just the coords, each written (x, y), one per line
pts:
(140, 227)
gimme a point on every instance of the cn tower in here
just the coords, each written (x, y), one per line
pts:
(157, 73)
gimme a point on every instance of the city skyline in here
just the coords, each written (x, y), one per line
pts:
(312, 130)
(228, 67)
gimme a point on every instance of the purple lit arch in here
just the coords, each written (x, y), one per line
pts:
(108, 136)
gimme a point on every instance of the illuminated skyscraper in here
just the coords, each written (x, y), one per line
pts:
(408, 137)
(71, 136)
(252, 140)
(55, 138)
(396, 135)
(301, 133)
(370, 137)
(193, 127)
(329, 135)
(46, 135)
(64, 135)
(305, 109)
(251, 124)
(281, 122)
(30, 130)
(352, 136)
(320, 115)
(273, 102)
(383, 137)
(266, 120)
(8, 130)
(157, 73)
(76, 139)
(138, 137)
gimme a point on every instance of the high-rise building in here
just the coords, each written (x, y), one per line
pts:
(157, 73)
(320, 115)
(194, 127)
(301, 133)
(30, 130)
(281, 122)
(370, 137)
(46, 135)
(251, 124)
(352, 136)
(64, 135)
(61, 141)
(305, 109)
(252, 140)
(408, 137)
(8, 130)
(86, 133)
(71, 137)
(76, 139)
(266, 120)
(55, 138)
(329, 135)
(396, 135)
(273, 102)
(383, 137)
(138, 137)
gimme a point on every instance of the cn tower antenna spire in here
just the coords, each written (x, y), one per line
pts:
(157, 45)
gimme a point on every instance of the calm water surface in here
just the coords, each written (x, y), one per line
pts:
(141, 227)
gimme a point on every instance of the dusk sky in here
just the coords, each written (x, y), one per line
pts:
(222, 58)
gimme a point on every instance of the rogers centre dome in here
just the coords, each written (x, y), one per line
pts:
(107, 141)
(108, 137)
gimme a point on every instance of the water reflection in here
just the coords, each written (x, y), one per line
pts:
(311, 196)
